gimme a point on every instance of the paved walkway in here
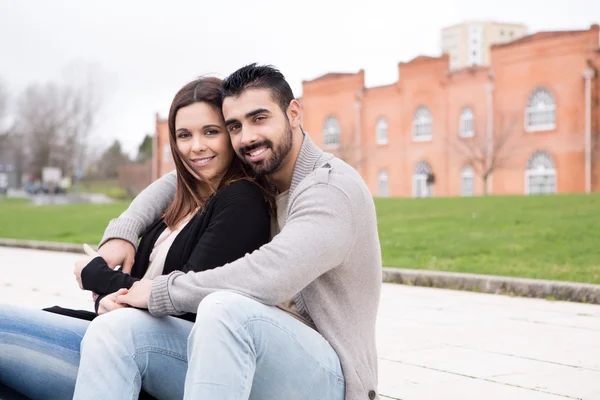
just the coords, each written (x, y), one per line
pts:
(433, 344)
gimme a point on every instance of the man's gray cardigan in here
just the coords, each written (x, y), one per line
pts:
(327, 257)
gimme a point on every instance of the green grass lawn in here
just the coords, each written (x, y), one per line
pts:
(77, 223)
(544, 237)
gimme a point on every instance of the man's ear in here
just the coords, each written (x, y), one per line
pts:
(294, 114)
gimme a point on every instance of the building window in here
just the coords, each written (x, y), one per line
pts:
(540, 175)
(467, 178)
(382, 131)
(466, 126)
(383, 182)
(422, 125)
(422, 180)
(166, 153)
(540, 113)
(475, 46)
(331, 133)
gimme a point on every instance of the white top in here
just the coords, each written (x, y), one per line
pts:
(161, 249)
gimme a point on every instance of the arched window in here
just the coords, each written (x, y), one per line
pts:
(422, 125)
(540, 113)
(383, 183)
(331, 132)
(540, 175)
(466, 123)
(467, 178)
(422, 180)
(382, 131)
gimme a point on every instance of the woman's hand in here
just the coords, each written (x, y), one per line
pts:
(82, 262)
(138, 295)
(109, 302)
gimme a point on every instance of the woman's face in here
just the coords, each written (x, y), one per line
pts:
(202, 140)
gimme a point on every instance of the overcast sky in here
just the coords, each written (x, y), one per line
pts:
(144, 51)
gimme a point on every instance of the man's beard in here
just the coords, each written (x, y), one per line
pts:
(272, 164)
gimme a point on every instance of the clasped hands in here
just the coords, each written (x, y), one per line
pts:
(116, 252)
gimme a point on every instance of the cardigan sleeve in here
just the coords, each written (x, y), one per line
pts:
(318, 236)
(98, 277)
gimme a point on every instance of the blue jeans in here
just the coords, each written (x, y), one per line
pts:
(237, 349)
(39, 352)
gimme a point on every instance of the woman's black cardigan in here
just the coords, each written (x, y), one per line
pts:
(234, 221)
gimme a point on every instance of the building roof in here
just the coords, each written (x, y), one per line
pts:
(540, 36)
(423, 58)
(332, 75)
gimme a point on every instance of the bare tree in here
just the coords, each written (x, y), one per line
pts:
(6, 126)
(55, 120)
(349, 152)
(486, 154)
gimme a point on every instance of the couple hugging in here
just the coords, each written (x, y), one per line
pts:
(257, 274)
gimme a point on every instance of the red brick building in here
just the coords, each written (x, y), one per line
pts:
(533, 113)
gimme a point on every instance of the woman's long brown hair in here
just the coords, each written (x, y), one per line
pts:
(187, 200)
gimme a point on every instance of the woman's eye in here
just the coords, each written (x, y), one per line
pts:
(183, 135)
(212, 132)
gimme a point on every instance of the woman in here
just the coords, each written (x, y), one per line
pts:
(219, 214)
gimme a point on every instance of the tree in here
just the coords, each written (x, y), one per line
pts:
(6, 125)
(55, 121)
(145, 150)
(486, 154)
(111, 160)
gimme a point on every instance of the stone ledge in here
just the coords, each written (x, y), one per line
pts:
(40, 245)
(555, 290)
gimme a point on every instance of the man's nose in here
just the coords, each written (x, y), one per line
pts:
(249, 136)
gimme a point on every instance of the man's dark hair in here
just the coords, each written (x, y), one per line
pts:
(259, 77)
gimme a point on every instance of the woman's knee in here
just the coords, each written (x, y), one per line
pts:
(115, 326)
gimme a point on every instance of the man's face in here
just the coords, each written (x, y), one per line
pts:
(260, 132)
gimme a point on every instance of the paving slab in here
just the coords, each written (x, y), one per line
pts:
(432, 343)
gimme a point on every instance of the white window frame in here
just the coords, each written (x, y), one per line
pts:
(381, 131)
(540, 170)
(383, 178)
(421, 118)
(419, 180)
(533, 108)
(466, 115)
(331, 127)
(467, 173)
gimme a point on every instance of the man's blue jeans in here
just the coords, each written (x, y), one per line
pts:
(238, 349)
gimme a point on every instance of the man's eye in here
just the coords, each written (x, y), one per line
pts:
(259, 118)
(233, 128)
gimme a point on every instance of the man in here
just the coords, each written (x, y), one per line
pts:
(294, 319)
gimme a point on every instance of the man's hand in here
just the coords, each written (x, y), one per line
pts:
(109, 302)
(138, 295)
(82, 262)
(118, 252)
